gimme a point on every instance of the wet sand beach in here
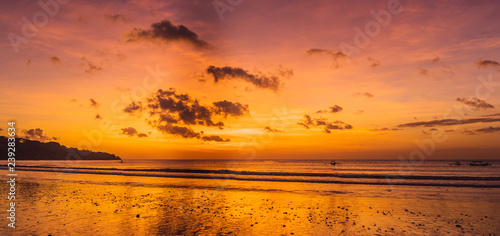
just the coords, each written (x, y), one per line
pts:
(84, 204)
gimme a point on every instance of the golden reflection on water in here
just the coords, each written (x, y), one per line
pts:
(69, 208)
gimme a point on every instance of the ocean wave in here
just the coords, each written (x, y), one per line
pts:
(290, 174)
(366, 179)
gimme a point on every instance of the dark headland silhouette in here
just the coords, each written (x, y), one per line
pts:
(26, 149)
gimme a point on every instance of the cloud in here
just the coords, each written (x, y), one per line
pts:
(284, 72)
(55, 60)
(184, 132)
(359, 112)
(380, 129)
(133, 107)
(305, 126)
(375, 62)
(384, 129)
(94, 103)
(28, 62)
(476, 103)
(488, 63)
(422, 71)
(448, 122)
(338, 125)
(110, 54)
(489, 115)
(98, 117)
(214, 138)
(366, 94)
(228, 108)
(37, 134)
(130, 131)
(468, 132)
(271, 130)
(435, 59)
(314, 51)
(336, 56)
(165, 31)
(308, 121)
(272, 82)
(333, 109)
(437, 73)
(489, 129)
(175, 114)
(118, 18)
(89, 66)
(73, 100)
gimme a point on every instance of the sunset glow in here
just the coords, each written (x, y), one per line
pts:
(375, 79)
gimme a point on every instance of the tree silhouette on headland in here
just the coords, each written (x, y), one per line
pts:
(26, 149)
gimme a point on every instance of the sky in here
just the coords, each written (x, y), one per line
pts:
(239, 79)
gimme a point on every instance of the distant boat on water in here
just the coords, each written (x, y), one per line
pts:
(455, 164)
(479, 163)
(333, 163)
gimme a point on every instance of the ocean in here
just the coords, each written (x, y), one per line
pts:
(361, 172)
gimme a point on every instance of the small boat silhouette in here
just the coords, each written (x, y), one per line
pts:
(333, 163)
(479, 163)
(455, 164)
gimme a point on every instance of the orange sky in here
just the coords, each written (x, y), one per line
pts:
(376, 80)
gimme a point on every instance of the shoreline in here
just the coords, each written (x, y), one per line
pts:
(268, 180)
